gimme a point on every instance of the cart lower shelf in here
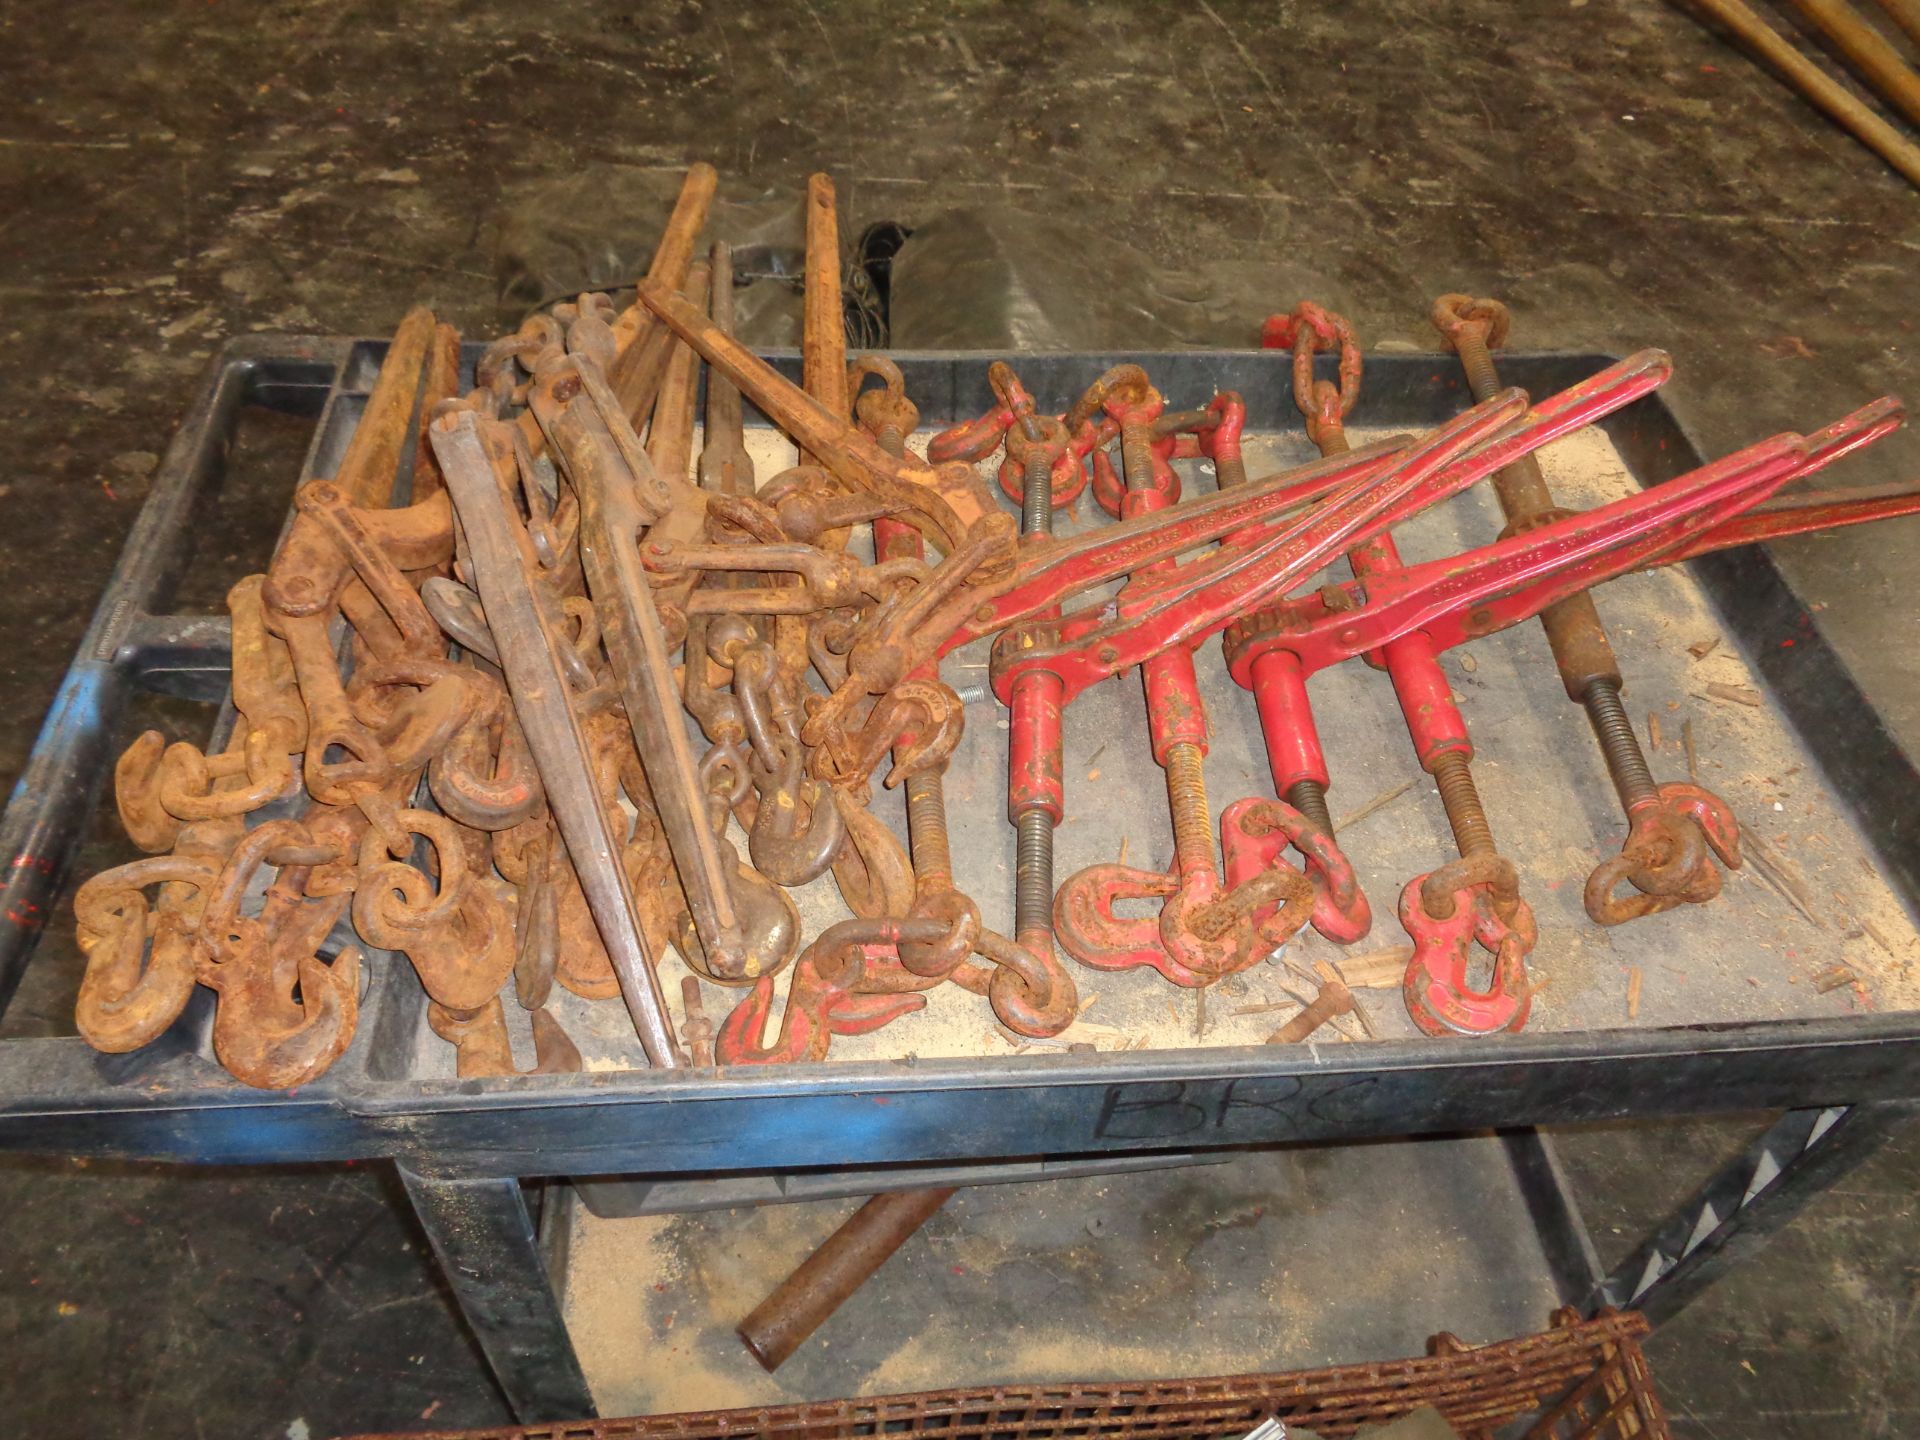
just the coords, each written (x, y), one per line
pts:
(1578, 1380)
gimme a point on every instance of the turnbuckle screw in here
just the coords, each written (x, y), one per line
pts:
(1454, 775)
(927, 830)
(1309, 797)
(1036, 494)
(1477, 360)
(1033, 830)
(1033, 872)
(1187, 797)
(1626, 762)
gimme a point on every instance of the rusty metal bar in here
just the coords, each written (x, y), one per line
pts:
(846, 1261)
(541, 698)
(823, 336)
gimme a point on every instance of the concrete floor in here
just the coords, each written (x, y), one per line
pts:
(1618, 173)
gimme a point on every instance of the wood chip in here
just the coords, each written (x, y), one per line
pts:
(1200, 1013)
(1693, 759)
(1770, 880)
(1784, 875)
(1093, 774)
(1834, 979)
(1634, 977)
(1379, 802)
(1876, 935)
(1359, 1013)
(1086, 1032)
(1468, 663)
(1376, 969)
(1700, 649)
(1735, 694)
(1054, 1043)
(1344, 1027)
(1653, 730)
(1123, 849)
(1087, 1004)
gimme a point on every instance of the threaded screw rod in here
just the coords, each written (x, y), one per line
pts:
(1033, 829)
(1523, 494)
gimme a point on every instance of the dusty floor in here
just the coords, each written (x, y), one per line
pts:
(1275, 1259)
(1617, 173)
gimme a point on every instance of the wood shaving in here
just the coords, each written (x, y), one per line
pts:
(1785, 876)
(1375, 970)
(1735, 694)
(1378, 803)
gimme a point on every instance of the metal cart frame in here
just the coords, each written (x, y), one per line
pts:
(463, 1148)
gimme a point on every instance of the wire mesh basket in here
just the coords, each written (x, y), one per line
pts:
(1577, 1380)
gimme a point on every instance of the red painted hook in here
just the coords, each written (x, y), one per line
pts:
(1254, 831)
(1446, 912)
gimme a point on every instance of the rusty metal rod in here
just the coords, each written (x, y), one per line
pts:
(636, 641)
(670, 436)
(1813, 82)
(1906, 14)
(1333, 1001)
(1575, 633)
(441, 382)
(823, 335)
(780, 1324)
(724, 465)
(672, 258)
(696, 1027)
(368, 470)
(516, 614)
(1033, 825)
(642, 347)
(1869, 52)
